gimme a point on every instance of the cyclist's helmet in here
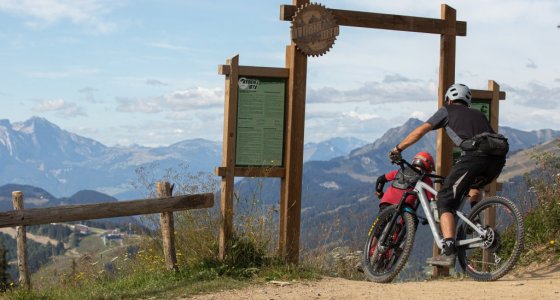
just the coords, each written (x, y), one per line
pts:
(424, 161)
(459, 92)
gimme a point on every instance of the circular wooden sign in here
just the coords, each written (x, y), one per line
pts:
(314, 29)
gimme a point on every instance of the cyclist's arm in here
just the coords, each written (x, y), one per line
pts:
(414, 136)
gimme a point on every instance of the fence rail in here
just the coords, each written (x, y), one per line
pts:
(165, 204)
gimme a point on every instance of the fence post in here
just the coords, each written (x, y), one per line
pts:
(167, 229)
(21, 239)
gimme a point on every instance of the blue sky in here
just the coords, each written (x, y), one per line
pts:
(145, 72)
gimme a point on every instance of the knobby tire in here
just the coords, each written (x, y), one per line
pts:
(512, 240)
(385, 269)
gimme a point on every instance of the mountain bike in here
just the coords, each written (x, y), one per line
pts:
(489, 240)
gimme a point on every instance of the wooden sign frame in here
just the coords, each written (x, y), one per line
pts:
(296, 73)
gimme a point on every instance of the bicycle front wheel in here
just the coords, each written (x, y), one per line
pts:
(382, 262)
(501, 246)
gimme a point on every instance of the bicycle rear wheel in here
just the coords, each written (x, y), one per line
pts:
(500, 248)
(382, 262)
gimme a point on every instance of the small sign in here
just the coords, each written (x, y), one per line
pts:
(314, 29)
(260, 122)
(483, 106)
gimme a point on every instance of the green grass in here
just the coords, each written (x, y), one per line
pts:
(164, 284)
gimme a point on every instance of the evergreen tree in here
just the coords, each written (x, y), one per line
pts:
(4, 276)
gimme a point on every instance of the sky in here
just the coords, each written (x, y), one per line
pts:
(143, 72)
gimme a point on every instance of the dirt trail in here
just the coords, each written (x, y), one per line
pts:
(538, 283)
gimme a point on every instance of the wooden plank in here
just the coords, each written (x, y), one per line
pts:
(69, 213)
(252, 171)
(256, 71)
(228, 158)
(167, 229)
(21, 244)
(290, 204)
(385, 21)
(444, 155)
(487, 95)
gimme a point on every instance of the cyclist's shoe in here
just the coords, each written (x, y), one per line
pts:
(359, 267)
(442, 260)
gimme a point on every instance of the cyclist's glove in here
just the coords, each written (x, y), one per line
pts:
(395, 155)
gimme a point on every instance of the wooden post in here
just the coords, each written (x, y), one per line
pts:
(167, 229)
(444, 156)
(490, 214)
(228, 157)
(290, 203)
(21, 238)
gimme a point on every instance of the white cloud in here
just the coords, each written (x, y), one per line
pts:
(60, 107)
(419, 115)
(393, 88)
(89, 94)
(531, 64)
(39, 14)
(150, 105)
(178, 103)
(360, 116)
(194, 98)
(155, 82)
(535, 95)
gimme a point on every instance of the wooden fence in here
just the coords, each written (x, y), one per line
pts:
(164, 204)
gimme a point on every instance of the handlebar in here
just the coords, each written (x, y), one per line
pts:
(402, 162)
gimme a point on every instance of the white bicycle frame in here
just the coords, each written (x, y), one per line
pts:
(420, 188)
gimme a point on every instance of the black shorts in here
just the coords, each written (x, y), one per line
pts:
(470, 171)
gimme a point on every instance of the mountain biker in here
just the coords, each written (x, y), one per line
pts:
(400, 184)
(482, 159)
(403, 180)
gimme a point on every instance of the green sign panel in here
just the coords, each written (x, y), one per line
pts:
(260, 122)
(484, 107)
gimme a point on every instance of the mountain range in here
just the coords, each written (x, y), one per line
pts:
(37, 152)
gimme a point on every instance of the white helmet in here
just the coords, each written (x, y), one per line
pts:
(460, 92)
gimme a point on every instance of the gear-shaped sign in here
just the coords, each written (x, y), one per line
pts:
(314, 29)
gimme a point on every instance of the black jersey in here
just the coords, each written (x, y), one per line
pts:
(460, 122)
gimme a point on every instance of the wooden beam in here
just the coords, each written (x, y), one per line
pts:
(228, 158)
(444, 155)
(21, 244)
(385, 21)
(256, 71)
(167, 229)
(69, 213)
(253, 171)
(487, 95)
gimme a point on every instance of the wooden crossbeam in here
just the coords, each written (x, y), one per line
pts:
(256, 71)
(385, 21)
(486, 95)
(252, 171)
(69, 213)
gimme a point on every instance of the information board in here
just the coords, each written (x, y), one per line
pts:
(260, 122)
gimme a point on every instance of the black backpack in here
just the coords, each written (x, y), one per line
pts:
(493, 144)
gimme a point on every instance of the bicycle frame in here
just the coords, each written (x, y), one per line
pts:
(420, 189)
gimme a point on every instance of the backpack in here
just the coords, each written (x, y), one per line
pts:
(493, 144)
(405, 178)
